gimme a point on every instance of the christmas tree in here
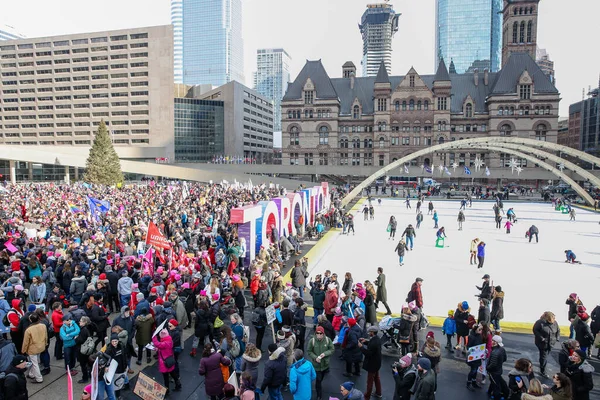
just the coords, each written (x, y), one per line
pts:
(103, 165)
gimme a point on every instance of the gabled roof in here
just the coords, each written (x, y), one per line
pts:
(348, 64)
(316, 72)
(382, 75)
(442, 72)
(507, 79)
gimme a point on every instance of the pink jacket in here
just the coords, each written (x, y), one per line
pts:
(165, 350)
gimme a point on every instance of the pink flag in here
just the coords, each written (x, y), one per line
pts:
(69, 384)
(10, 247)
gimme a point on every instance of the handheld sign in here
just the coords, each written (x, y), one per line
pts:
(148, 389)
(270, 310)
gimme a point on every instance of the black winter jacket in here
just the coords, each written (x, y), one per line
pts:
(497, 358)
(581, 380)
(405, 380)
(275, 369)
(15, 387)
(372, 353)
(583, 333)
(483, 315)
(546, 334)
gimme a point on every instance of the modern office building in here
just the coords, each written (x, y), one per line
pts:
(271, 78)
(584, 124)
(199, 130)
(249, 119)
(211, 41)
(468, 32)
(542, 59)
(177, 22)
(9, 33)
(373, 121)
(378, 25)
(56, 90)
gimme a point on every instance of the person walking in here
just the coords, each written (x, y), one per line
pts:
(430, 208)
(480, 254)
(473, 251)
(275, 372)
(210, 368)
(351, 352)
(392, 225)
(34, 343)
(320, 349)
(419, 219)
(461, 219)
(166, 359)
(68, 332)
(498, 387)
(381, 291)
(302, 374)
(401, 249)
(371, 350)
(427, 385)
(410, 234)
(547, 333)
(498, 220)
(435, 219)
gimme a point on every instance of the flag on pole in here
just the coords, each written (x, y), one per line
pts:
(467, 170)
(97, 206)
(155, 238)
(95, 380)
(446, 171)
(406, 169)
(69, 384)
(428, 169)
(185, 192)
(74, 209)
(487, 171)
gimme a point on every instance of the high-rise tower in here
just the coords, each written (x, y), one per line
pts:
(519, 28)
(378, 25)
(210, 48)
(469, 33)
(271, 78)
(8, 33)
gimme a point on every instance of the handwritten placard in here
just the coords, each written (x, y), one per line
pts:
(148, 389)
(476, 353)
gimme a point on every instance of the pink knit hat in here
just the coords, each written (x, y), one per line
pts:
(164, 333)
(185, 285)
(215, 296)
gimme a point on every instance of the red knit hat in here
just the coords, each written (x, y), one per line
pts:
(159, 302)
(153, 290)
(102, 276)
(174, 322)
(351, 321)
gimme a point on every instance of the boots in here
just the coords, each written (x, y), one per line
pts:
(193, 352)
(178, 385)
(470, 386)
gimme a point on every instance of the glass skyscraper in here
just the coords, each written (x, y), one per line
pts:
(378, 25)
(199, 130)
(209, 48)
(469, 33)
(271, 78)
(9, 33)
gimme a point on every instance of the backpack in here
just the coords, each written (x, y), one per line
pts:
(255, 319)
(88, 347)
(235, 348)
(77, 314)
(3, 376)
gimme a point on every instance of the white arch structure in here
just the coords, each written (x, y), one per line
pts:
(496, 143)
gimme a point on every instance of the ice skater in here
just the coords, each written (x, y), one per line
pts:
(410, 233)
(510, 215)
(572, 214)
(441, 237)
(401, 249)
(480, 254)
(430, 208)
(498, 221)
(507, 225)
(463, 204)
(392, 225)
(473, 251)
(419, 219)
(461, 219)
(571, 257)
(533, 230)
(379, 201)
(418, 206)
(350, 221)
(435, 219)
(372, 212)
(407, 201)
(366, 212)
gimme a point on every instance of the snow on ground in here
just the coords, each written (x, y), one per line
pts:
(533, 276)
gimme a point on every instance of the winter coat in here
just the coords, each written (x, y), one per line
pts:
(275, 370)
(15, 384)
(409, 232)
(347, 286)
(404, 379)
(250, 364)
(37, 293)
(449, 327)
(415, 294)
(401, 249)
(299, 275)
(563, 356)
(583, 333)
(318, 296)
(331, 300)
(486, 291)
(433, 354)
(372, 353)
(328, 328)
(180, 312)
(427, 387)
(371, 311)
(483, 315)
(512, 383)
(302, 374)
(210, 368)
(36, 338)
(481, 250)
(546, 334)
(202, 324)
(78, 286)
(127, 323)
(68, 334)
(460, 316)
(354, 394)
(560, 394)
(581, 380)
(143, 325)
(475, 339)
(351, 352)
(316, 348)
(497, 358)
(165, 350)
(406, 326)
(497, 306)
(381, 289)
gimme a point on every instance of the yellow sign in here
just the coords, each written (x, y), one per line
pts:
(148, 389)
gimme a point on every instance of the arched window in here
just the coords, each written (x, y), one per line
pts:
(397, 105)
(515, 30)
(530, 10)
(469, 110)
(529, 27)
(548, 110)
(294, 136)
(323, 135)
(404, 106)
(381, 126)
(505, 130)
(516, 10)
(344, 143)
(356, 143)
(366, 143)
(522, 32)
(381, 142)
(310, 114)
(419, 105)
(426, 105)
(512, 111)
(441, 140)
(356, 112)
(500, 110)
(411, 105)
(521, 11)
(540, 132)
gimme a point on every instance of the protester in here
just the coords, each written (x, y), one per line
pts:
(166, 359)
(349, 392)
(15, 384)
(580, 373)
(320, 350)
(275, 372)
(210, 368)
(302, 374)
(547, 333)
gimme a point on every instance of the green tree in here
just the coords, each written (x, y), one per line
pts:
(103, 165)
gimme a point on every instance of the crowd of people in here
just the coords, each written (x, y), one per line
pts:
(64, 273)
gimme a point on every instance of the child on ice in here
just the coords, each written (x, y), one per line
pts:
(570, 257)
(449, 328)
(507, 225)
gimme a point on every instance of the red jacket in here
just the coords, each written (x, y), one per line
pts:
(416, 294)
(14, 315)
(254, 284)
(331, 301)
(57, 320)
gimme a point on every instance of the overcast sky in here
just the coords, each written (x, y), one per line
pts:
(328, 30)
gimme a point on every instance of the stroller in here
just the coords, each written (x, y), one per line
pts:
(390, 327)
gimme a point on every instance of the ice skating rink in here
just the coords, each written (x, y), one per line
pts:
(534, 277)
